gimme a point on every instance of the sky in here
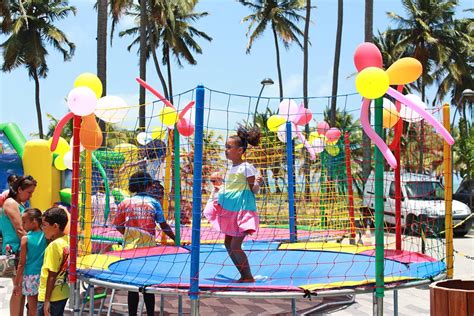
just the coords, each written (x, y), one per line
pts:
(224, 64)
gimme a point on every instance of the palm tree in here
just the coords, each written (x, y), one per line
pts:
(169, 27)
(368, 37)
(337, 56)
(282, 16)
(29, 35)
(455, 75)
(426, 35)
(101, 6)
(178, 38)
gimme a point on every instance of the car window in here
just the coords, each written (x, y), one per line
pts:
(424, 190)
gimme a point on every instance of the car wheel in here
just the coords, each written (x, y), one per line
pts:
(412, 225)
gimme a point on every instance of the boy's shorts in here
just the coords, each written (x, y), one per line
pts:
(55, 308)
(30, 284)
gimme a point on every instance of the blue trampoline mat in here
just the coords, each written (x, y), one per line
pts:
(273, 269)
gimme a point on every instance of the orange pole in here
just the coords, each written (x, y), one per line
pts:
(350, 191)
(448, 197)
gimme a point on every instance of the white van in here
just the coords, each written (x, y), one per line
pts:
(422, 199)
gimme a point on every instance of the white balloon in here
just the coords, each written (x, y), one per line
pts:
(387, 104)
(144, 138)
(82, 101)
(68, 160)
(281, 134)
(407, 113)
(318, 145)
(111, 109)
(71, 142)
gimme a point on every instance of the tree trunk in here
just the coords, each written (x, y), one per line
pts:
(366, 144)
(337, 56)
(37, 101)
(102, 55)
(143, 22)
(170, 83)
(157, 67)
(306, 163)
(277, 50)
(422, 133)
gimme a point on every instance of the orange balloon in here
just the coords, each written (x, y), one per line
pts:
(90, 133)
(404, 71)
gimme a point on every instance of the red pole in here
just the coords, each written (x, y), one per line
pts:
(398, 185)
(349, 184)
(74, 199)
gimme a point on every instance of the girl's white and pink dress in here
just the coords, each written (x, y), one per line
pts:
(234, 213)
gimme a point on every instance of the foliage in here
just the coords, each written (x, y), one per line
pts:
(30, 29)
(464, 150)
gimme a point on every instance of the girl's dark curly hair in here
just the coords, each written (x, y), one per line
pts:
(246, 136)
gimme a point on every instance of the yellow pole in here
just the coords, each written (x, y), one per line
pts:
(448, 197)
(88, 206)
(167, 184)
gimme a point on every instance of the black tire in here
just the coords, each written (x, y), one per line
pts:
(410, 222)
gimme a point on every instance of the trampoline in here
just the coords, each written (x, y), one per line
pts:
(276, 267)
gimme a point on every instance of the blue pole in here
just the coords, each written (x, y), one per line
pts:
(197, 180)
(291, 181)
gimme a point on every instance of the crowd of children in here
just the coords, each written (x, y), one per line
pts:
(40, 249)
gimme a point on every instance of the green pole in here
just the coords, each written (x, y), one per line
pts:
(103, 174)
(379, 228)
(177, 188)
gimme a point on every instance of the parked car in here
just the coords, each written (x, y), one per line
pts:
(422, 204)
(465, 193)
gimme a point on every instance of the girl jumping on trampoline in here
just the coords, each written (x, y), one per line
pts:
(234, 213)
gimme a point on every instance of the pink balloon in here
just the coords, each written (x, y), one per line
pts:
(364, 121)
(185, 126)
(333, 134)
(367, 55)
(82, 101)
(308, 146)
(427, 116)
(323, 127)
(289, 109)
(305, 117)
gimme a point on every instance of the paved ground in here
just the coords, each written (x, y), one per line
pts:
(411, 301)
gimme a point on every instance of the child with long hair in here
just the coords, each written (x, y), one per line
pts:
(31, 259)
(234, 213)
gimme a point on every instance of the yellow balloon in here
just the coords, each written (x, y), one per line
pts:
(168, 116)
(332, 143)
(62, 146)
(313, 136)
(274, 122)
(59, 162)
(90, 81)
(158, 133)
(390, 117)
(372, 82)
(332, 150)
(404, 71)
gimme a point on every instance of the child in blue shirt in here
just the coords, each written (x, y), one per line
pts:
(31, 259)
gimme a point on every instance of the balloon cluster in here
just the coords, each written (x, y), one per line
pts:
(169, 117)
(325, 138)
(85, 100)
(289, 111)
(373, 82)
